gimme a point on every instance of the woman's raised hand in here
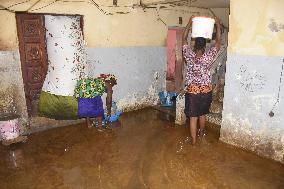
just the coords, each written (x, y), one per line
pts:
(217, 20)
(190, 19)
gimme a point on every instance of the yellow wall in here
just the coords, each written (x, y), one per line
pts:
(137, 28)
(252, 30)
(8, 31)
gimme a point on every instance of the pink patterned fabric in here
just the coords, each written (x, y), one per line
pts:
(198, 68)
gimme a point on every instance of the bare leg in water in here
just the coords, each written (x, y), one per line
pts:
(100, 123)
(193, 129)
(202, 120)
(99, 119)
(88, 122)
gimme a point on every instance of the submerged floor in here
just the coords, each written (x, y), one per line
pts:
(143, 152)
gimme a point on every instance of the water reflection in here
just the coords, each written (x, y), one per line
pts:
(15, 158)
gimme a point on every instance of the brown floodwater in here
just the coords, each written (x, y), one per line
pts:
(142, 150)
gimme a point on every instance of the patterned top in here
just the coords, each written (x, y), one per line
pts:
(90, 88)
(198, 68)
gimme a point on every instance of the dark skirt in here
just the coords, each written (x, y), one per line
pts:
(197, 104)
(90, 107)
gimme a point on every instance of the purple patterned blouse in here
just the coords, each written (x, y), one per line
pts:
(198, 68)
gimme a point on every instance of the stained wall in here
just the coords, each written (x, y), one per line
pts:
(253, 112)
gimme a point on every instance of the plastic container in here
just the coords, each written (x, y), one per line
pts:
(113, 117)
(167, 99)
(9, 129)
(202, 26)
(115, 114)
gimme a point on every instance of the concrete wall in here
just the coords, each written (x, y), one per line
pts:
(223, 14)
(140, 71)
(127, 40)
(11, 94)
(254, 65)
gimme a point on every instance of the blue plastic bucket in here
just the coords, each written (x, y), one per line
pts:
(167, 99)
(113, 117)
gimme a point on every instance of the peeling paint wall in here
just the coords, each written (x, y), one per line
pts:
(9, 79)
(140, 72)
(12, 97)
(256, 27)
(253, 73)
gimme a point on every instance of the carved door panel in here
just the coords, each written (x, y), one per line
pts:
(32, 46)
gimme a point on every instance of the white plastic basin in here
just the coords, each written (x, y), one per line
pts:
(202, 26)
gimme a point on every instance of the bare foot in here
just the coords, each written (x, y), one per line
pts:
(193, 143)
(100, 129)
(88, 122)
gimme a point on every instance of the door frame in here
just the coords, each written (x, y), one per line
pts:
(55, 14)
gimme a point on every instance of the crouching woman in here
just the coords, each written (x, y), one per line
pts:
(89, 92)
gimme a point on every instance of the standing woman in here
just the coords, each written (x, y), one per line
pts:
(198, 79)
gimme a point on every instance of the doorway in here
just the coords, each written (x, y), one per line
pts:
(33, 55)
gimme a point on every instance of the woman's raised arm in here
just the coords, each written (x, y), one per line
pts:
(218, 34)
(186, 31)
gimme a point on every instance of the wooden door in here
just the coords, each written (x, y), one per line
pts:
(33, 56)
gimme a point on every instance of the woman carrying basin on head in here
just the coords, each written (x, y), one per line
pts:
(198, 79)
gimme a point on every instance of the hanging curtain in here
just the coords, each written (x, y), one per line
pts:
(66, 65)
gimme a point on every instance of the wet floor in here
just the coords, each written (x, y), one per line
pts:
(143, 151)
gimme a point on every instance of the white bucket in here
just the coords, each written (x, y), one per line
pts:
(202, 27)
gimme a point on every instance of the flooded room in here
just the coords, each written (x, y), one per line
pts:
(130, 94)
